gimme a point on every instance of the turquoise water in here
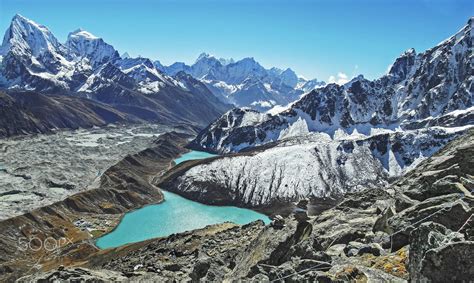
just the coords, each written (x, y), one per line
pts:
(176, 214)
(192, 155)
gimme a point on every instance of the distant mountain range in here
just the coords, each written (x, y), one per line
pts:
(85, 66)
(31, 58)
(245, 82)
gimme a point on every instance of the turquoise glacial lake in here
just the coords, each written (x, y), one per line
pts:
(192, 155)
(176, 214)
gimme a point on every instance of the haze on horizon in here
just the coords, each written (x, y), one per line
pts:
(327, 40)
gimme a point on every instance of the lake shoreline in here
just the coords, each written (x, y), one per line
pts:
(174, 206)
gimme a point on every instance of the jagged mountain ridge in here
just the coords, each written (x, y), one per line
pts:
(245, 82)
(32, 59)
(431, 88)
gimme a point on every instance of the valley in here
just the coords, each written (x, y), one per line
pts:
(226, 170)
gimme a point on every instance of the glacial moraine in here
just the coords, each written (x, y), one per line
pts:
(38, 170)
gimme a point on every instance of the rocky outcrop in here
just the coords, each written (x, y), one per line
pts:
(439, 254)
(76, 275)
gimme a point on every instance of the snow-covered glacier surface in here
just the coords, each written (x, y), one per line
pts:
(311, 165)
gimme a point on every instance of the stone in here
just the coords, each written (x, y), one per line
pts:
(453, 262)
(300, 215)
(303, 204)
(278, 222)
(200, 270)
(372, 248)
(173, 267)
(381, 222)
(379, 237)
(352, 248)
(432, 238)
(336, 250)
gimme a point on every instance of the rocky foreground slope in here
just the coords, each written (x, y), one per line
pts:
(419, 228)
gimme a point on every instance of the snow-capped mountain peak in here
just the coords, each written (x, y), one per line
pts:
(83, 44)
(289, 78)
(24, 37)
(141, 69)
(225, 61)
(204, 55)
(82, 33)
(205, 64)
(421, 90)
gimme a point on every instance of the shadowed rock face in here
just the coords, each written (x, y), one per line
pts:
(29, 112)
(418, 228)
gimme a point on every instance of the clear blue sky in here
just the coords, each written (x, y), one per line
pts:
(314, 38)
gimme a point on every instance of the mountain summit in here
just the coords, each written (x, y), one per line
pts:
(82, 44)
(27, 38)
